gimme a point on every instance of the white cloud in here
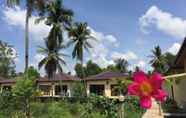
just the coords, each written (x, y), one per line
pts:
(37, 58)
(174, 48)
(128, 56)
(140, 63)
(111, 39)
(163, 21)
(102, 48)
(16, 17)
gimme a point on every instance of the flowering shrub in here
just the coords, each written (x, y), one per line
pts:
(147, 88)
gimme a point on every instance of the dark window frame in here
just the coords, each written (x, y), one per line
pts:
(98, 89)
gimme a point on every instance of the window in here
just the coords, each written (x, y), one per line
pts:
(97, 89)
(61, 90)
(7, 88)
(45, 89)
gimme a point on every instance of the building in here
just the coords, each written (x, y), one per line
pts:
(61, 86)
(179, 84)
(105, 84)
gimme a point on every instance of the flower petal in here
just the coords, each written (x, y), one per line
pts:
(146, 102)
(156, 80)
(160, 95)
(133, 89)
(139, 76)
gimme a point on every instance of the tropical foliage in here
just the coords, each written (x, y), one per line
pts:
(53, 61)
(31, 6)
(59, 19)
(158, 60)
(23, 91)
(121, 65)
(7, 57)
(91, 68)
(78, 91)
(19, 102)
(32, 73)
(80, 36)
(170, 60)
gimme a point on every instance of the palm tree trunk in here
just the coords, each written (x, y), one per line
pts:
(27, 41)
(83, 77)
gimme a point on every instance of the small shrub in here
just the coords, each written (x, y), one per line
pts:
(132, 108)
(171, 106)
(50, 110)
(78, 90)
(7, 105)
(104, 105)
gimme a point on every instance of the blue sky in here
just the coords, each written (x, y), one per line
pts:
(124, 28)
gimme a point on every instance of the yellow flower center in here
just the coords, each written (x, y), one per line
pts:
(145, 88)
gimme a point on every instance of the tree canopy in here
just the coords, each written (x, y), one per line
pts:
(89, 69)
(7, 56)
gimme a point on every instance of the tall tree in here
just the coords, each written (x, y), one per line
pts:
(58, 18)
(31, 5)
(110, 67)
(7, 56)
(92, 68)
(78, 68)
(80, 36)
(53, 61)
(158, 60)
(170, 59)
(33, 73)
(121, 65)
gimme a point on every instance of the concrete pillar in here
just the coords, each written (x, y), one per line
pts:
(68, 90)
(53, 90)
(87, 89)
(107, 89)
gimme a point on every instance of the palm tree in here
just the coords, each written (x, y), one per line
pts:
(53, 61)
(121, 65)
(31, 5)
(59, 18)
(80, 36)
(158, 60)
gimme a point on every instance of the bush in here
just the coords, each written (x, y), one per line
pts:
(132, 108)
(23, 91)
(171, 106)
(6, 103)
(78, 90)
(105, 106)
(50, 110)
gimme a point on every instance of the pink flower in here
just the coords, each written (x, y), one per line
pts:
(147, 88)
